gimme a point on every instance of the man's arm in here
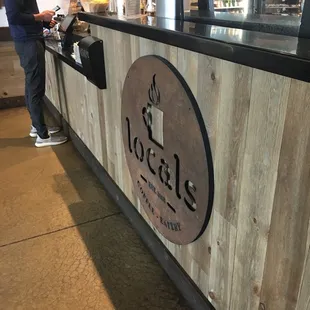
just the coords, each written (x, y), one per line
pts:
(45, 16)
(16, 17)
(50, 25)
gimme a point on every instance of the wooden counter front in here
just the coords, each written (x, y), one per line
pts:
(254, 253)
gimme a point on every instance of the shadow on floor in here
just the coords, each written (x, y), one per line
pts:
(130, 275)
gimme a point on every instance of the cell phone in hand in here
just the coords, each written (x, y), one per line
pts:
(56, 8)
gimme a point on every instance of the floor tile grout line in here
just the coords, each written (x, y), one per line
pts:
(61, 229)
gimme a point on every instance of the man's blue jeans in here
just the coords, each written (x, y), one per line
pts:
(32, 59)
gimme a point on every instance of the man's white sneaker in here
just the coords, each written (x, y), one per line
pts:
(51, 141)
(33, 131)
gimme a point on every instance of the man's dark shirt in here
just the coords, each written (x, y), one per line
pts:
(21, 20)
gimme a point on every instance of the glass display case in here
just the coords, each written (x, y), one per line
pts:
(271, 16)
(271, 7)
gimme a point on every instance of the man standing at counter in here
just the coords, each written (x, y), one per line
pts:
(26, 26)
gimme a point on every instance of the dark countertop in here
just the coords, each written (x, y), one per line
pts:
(280, 54)
(54, 46)
(276, 24)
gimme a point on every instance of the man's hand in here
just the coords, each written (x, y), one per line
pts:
(53, 23)
(45, 16)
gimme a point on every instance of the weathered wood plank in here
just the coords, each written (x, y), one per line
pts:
(291, 211)
(107, 36)
(52, 89)
(93, 123)
(208, 98)
(103, 158)
(304, 295)
(233, 110)
(269, 97)
(223, 239)
(208, 94)
(231, 133)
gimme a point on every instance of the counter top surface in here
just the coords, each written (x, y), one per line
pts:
(277, 24)
(280, 54)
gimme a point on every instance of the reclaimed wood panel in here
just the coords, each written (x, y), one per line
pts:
(285, 260)
(51, 83)
(229, 151)
(255, 252)
(269, 97)
(77, 102)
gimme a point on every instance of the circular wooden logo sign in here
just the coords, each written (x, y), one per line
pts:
(167, 149)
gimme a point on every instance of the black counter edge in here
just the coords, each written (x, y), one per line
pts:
(65, 59)
(295, 67)
(181, 280)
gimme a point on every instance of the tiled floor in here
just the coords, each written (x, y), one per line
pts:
(63, 242)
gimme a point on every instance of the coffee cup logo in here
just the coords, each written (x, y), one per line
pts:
(167, 149)
(154, 100)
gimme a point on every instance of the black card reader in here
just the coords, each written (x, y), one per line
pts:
(92, 58)
(66, 26)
